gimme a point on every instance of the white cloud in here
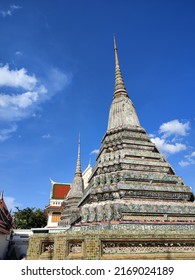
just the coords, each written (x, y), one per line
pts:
(18, 106)
(23, 100)
(5, 13)
(16, 78)
(46, 136)
(165, 147)
(30, 91)
(57, 80)
(192, 154)
(6, 133)
(151, 135)
(189, 160)
(174, 127)
(11, 203)
(15, 7)
(170, 138)
(9, 11)
(183, 163)
(96, 151)
(18, 53)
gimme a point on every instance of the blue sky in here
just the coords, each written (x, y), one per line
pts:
(57, 80)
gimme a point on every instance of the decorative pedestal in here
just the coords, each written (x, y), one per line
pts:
(118, 241)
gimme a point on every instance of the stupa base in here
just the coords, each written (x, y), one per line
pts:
(162, 241)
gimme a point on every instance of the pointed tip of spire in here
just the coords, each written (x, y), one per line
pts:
(115, 51)
(119, 83)
(79, 143)
(78, 166)
(114, 41)
(79, 137)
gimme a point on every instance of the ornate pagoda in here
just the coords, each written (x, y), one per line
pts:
(135, 206)
(132, 181)
(70, 208)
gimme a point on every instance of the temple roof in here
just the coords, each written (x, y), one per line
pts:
(6, 222)
(59, 190)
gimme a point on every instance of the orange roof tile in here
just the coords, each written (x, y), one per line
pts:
(60, 191)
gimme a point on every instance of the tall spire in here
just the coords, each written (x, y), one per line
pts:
(116, 52)
(77, 184)
(78, 166)
(71, 211)
(122, 111)
(119, 83)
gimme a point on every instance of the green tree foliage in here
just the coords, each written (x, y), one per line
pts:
(29, 218)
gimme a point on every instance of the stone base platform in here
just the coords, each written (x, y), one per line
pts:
(116, 241)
